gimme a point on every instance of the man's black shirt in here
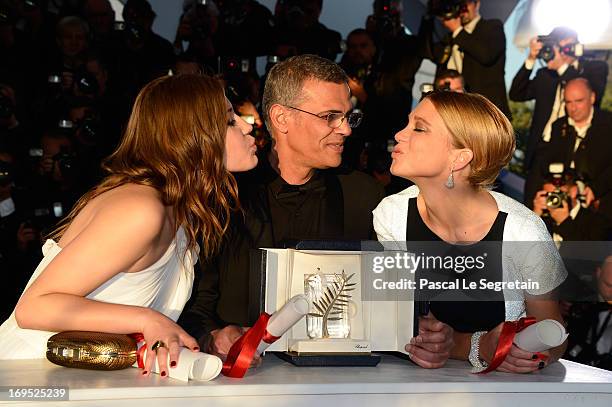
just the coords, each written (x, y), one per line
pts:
(333, 204)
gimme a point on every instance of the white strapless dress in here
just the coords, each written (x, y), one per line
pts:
(164, 286)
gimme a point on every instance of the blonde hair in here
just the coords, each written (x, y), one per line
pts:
(475, 123)
(175, 143)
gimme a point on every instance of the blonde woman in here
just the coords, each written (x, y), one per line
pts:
(453, 149)
(122, 261)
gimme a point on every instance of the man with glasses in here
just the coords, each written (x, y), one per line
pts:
(297, 193)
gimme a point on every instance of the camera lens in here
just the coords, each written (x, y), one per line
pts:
(555, 199)
(547, 53)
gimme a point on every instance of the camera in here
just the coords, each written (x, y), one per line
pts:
(130, 30)
(6, 173)
(556, 198)
(388, 19)
(86, 82)
(426, 88)
(271, 61)
(31, 4)
(574, 50)
(547, 52)
(90, 128)
(446, 9)
(6, 16)
(65, 161)
(230, 65)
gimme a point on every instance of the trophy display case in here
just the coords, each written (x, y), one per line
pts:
(345, 321)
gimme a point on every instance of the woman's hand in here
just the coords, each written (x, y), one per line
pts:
(517, 360)
(223, 339)
(431, 348)
(158, 327)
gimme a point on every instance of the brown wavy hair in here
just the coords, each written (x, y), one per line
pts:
(175, 143)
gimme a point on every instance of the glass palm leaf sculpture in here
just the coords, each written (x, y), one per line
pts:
(330, 299)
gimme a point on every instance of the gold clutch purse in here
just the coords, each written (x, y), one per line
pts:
(92, 350)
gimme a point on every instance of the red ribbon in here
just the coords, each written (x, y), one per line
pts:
(140, 352)
(506, 338)
(243, 350)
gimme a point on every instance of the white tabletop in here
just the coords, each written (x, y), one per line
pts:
(393, 382)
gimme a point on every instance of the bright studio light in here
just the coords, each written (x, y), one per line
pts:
(590, 18)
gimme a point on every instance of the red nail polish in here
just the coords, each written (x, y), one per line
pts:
(197, 349)
(144, 372)
(163, 373)
(173, 364)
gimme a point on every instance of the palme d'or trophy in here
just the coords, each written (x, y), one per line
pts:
(328, 323)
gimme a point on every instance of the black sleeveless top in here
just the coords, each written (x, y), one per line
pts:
(483, 311)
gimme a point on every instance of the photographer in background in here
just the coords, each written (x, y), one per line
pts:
(558, 51)
(9, 225)
(19, 239)
(100, 17)
(144, 55)
(13, 133)
(198, 27)
(297, 30)
(590, 324)
(398, 58)
(54, 189)
(474, 47)
(451, 80)
(580, 142)
(72, 37)
(357, 61)
(245, 29)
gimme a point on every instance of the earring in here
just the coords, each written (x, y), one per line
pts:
(450, 181)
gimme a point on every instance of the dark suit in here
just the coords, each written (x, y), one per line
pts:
(592, 163)
(484, 61)
(332, 205)
(543, 88)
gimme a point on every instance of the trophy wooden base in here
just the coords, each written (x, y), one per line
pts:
(336, 346)
(329, 359)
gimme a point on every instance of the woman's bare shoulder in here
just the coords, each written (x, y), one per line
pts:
(131, 205)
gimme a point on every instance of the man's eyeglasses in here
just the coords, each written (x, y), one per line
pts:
(335, 119)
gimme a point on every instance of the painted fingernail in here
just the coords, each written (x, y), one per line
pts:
(534, 357)
(144, 372)
(173, 364)
(541, 365)
(197, 349)
(163, 373)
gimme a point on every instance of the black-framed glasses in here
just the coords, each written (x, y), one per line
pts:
(335, 119)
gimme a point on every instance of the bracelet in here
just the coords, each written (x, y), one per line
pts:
(474, 356)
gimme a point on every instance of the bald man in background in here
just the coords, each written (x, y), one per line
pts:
(581, 142)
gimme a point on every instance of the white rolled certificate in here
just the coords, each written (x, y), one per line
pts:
(283, 319)
(192, 366)
(541, 336)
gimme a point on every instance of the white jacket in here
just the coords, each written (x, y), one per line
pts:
(522, 260)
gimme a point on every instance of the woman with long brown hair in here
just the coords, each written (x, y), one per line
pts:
(122, 261)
